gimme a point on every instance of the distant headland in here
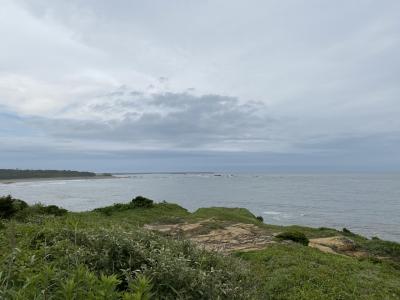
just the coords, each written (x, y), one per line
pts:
(18, 174)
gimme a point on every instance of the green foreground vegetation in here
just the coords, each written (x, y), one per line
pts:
(49, 253)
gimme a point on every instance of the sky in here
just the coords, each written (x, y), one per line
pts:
(147, 86)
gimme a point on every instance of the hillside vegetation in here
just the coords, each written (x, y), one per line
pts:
(110, 253)
(6, 174)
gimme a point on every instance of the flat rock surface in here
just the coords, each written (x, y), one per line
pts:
(227, 238)
(234, 237)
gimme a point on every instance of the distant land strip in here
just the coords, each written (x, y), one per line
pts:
(7, 174)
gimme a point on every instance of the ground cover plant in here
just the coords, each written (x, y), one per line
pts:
(292, 271)
(49, 253)
(295, 236)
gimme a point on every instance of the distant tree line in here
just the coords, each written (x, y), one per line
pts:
(20, 174)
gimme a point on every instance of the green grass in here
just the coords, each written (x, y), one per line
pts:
(298, 272)
(226, 214)
(159, 213)
(314, 232)
(105, 254)
(168, 213)
(48, 258)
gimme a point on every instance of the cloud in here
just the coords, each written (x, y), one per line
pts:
(289, 79)
(168, 120)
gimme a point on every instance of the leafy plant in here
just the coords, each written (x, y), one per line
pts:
(97, 263)
(141, 289)
(345, 230)
(9, 206)
(90, 256)
(138, 202)
(295, 236)
(142, 202)
(51, 210)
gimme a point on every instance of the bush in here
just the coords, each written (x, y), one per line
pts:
(138, 202)
(380, 247)
(295, 236)
(9, 206)
(259, 218)
(324, 228)
(81, 262)
(52, 210)
(345, 230)
(108, 210)
(21, 211)
(142, 202)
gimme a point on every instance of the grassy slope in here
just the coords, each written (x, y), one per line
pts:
(92, 256)
(311, 273)
(278, 272)
(298, 272)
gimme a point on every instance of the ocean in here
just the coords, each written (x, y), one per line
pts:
(368, 204)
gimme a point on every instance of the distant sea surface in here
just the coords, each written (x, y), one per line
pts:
(368, 204)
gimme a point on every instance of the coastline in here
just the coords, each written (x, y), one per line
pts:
(11, 181)
(221, 245)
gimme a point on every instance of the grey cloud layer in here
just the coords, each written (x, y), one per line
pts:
(171, 119)
(112, 78)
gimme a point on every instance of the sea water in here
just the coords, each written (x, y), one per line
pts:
(368, 204)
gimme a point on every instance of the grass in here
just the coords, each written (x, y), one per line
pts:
(219, 217)
(159, 213)
(56, 257)
(226, 214)
(297, 272)
(52, 254)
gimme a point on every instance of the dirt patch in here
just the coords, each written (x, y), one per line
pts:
(174, 228)
(224, 238)
(322, 248)
(337, 245)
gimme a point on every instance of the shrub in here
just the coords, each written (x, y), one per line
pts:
(260, 218)
(9, 206)
(52, 210)
(81, 262)
(108, 210)
(138, 202)
(21, 211)
(295, 236)
(324, 228)
(345, 230)
(142, 202)
(141, 287)
(382, 248)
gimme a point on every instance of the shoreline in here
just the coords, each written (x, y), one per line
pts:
(11, 181)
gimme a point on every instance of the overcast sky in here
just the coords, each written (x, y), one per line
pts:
(200, 85)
